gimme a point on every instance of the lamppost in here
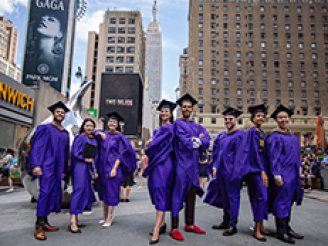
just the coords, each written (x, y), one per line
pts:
(79, 75)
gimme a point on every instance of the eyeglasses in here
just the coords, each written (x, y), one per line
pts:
(186, 106)
(228, 119)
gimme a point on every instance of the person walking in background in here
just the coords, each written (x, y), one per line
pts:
(144, 164)
(49, 160)
(284, 153)
(5, 170)
(224, 189)
(325, 159)
(160, 169)
(126, 185)
(203, 162)
(257, 170)
(83, 171)
(191, 139)
(116, 160)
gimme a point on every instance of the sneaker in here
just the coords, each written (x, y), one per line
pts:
(140, 187)
(10, 190)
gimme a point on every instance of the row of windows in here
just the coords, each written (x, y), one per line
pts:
(262, 9)
(121, 40)
(122, 21)
(122, 30)
(263, 54)
(119, 59)
(119, 69)
(111, 49)
(251, 92)
(263, 1)
(276, 64)
(239, 82)
(251, 73)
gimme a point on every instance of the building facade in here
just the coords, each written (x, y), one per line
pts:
(244, 52)
(119, 47)
(154, 56)
(10, 69)
(8, 40)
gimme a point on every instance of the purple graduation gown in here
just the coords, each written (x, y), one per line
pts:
(50, 151)
(284, 154)
(256, 163)
(186, 163)
(224, 189)
(160, 168)
(115, 146)
(83, 196)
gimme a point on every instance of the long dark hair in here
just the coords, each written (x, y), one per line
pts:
(84, 122)
(171, 119)
(10, 151)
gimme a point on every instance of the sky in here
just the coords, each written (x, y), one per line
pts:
(172, 19)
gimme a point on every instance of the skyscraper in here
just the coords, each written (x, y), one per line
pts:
(154, 56)
(246, 52)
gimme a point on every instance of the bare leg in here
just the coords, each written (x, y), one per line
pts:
(10, 183)
(73, 222)
(122, 192)
(163, 219)
(105, 208)
(0, 177)
(257, 230)
(159, 223)
(109, 218)
(127, 192)
(141, 179)
(202, 183)
(262, 228)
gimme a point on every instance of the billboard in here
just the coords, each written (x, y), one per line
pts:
(122, 93)
(45, 43)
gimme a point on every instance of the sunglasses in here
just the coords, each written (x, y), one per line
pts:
(228, 119)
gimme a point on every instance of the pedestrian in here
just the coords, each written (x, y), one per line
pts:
(144, 164)
(160, 169)
(126, 185)
(116, 160)
(224, 189)
(191, 139)
(325, 159)
(83, 170)
(257, 170)
(284, 153)
(49, 160)
(203, 162)
(5, 170)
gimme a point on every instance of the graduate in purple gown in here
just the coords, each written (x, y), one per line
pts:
(116, 160)
(160, 167)
(83, 170)
(224, 189)
(191, 139)
(257, 170)
(284, 153)
(49, 160)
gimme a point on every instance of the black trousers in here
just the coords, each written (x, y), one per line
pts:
(40, 221)
(189, 209)
(283, 224)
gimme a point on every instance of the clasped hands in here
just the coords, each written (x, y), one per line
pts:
(196, 143)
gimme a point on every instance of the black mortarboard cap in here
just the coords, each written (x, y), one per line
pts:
(232, 111)
(166, 104)
(187, 98)
(258, 109)
(58, 104)
(116, 116)
(281, 108)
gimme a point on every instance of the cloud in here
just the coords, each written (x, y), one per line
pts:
(9, 6)
(89, 23)
(168, 96)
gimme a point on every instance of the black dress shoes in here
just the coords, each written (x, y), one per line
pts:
(261, 239)
(222, 226)
(70, 229)
(151, 242)
(295, 235)
(81, 225)
(285, 238)
(162, 230)
(230, 232)
(126, 200)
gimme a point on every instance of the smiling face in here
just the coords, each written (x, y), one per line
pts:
(112, 125)
(59, 115)
(165, 114)
(282, 120)
(258, 118)
(88, 127)
(49, 26)
(230, 121)
(186, 109)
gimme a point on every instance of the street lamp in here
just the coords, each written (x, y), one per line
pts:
(79, 75)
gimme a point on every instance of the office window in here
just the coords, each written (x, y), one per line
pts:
(274, 8)
(277, 82)
(263, 54)
(213, 81)
(250, 54)
(239, 101)
(301, 55)
(225, 43)
(213, 34)
(250, 44)
(312, 27)
(264, 82)
(237, 34)
(200, 110)
(200, 91)
(200, 62)
(303, 84)
(238, 44)
(225, 34)
(302, 74)
(238, 54)
(288, 35)
(213, 53)
(119, 69)
(109, 69)
(200, 71)
(286, 9)
(315, 75)
(291, 102)
(129, 69)
(263, 35)
(111, 39)
(213, 72)
(316, 94)
(111, 29)
(265, 93)
(110, 59)
(251, 73)
(300, 27)
(131, 40)
(317, 103)
(237, 17)
(213, 43)
(131, 30)
(200, 43)
(276, 64)
(121, 40)
(226, 91)
(120, 59)
(312, 18)
(226, 72)
(289, 64)
(226, 63)
(200, 16)
(275, 26)
(263, 44)
(290, 83)
(239, 73)
(251, 92)
(316, 84)
(200, 53)
(239, 92)
(111, 49)
(315, 65)
(200, 81)
(289, 56)
(238, 63)
(200, 34)
(303, 93)
(130, 49)
(121, 30)
(239, 82)
(262, 17)
(289, 74)
(278, 102)
(264, 74)
(299, 9)
(225, 8)
(314, 56)
(226, 82)
(112, 21)
(213, 91)
(132, 21)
